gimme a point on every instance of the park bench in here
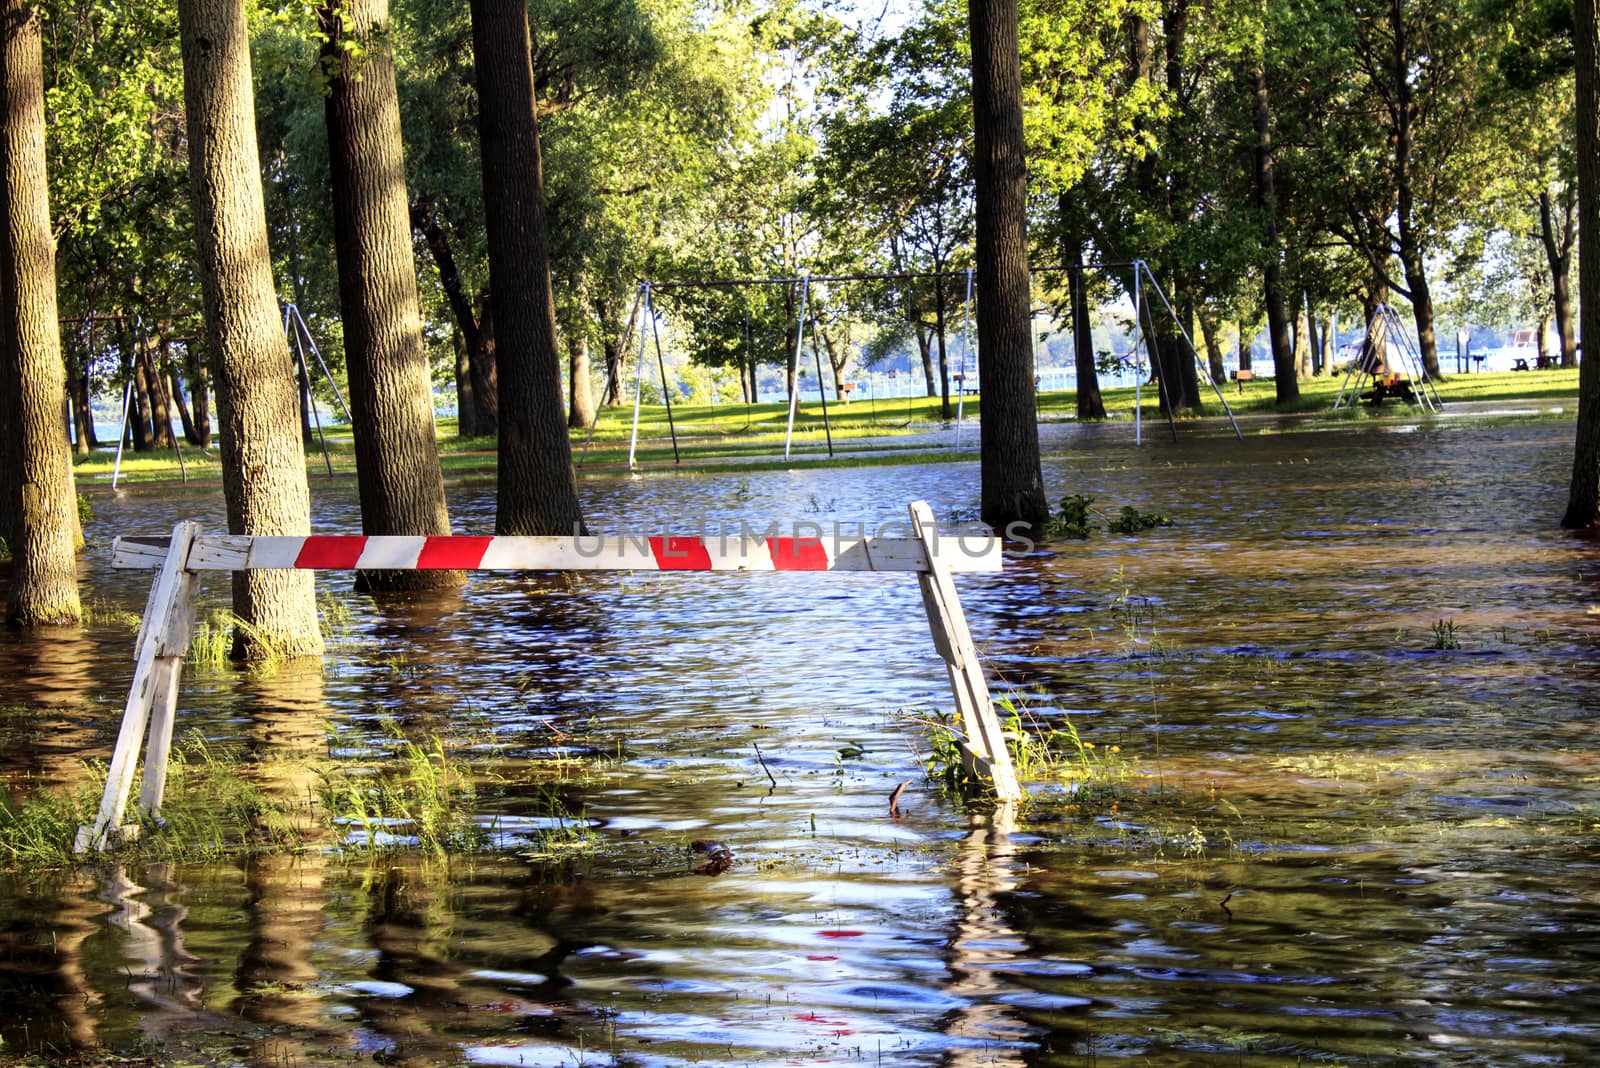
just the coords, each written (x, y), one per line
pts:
(1242, 376)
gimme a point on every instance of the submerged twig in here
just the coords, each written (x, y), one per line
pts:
(764, 767)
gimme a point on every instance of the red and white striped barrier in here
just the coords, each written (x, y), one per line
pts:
(170, 612)
(744, 552)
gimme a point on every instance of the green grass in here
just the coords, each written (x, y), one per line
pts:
(751, 437)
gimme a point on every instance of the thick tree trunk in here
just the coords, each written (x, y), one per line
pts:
(391, 388)
(1583, 500)
(42, 502)
(1013, 484)
(1283, 368)
(538, 493)
(1557, 235)
(580, 408)
(263, 464)
(1091, 405)
(1410, 250)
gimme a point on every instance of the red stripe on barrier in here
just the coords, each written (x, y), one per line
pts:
(680, 554)
(448, 552)
(798, 554)
(337, 552)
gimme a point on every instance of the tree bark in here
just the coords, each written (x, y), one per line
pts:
(1583, 500)
(1283, 369)
(156, 385)
(537, 491)
(939, 333)
(925, 350)
(139, 423)
(43, 501)
(199, 390)
(579, 389)
(485, 371)
(1410, 250)
(400, 484)
(1208, 331)
(1557, 236)
(263, 464)
(1013, 484)
(1244, 346)
(1091, 405)
(466, 402)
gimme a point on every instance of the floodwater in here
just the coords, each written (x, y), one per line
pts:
(1355, 683)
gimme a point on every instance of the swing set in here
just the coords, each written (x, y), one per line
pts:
(646, 313)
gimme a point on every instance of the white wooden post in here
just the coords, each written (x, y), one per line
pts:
(982, 741)
(163, 641)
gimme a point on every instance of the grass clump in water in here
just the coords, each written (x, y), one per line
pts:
(427, 800)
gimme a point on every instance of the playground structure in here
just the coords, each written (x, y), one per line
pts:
(1143, 283)
(1372, 376)
(169, 615)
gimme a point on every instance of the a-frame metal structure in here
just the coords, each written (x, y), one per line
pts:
(1388, 366)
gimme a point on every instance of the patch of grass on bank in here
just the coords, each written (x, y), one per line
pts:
(219, 802)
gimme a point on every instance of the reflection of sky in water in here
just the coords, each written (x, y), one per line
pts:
(1386, 877)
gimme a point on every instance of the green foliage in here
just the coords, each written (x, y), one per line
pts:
(1072, 520)
(1132, 521)
(1444, 635)
(85, 510)
(427, 802)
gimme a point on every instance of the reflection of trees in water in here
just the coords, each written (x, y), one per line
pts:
(287, 732)
(159, 968)
(51, 680)
(44, 984)
(984, 869)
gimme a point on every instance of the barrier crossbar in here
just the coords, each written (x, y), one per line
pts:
(169, 615)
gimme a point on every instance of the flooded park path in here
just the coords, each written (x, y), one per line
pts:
(1354, 687)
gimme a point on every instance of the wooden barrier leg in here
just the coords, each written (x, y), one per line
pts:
(984, 745)
(163, 640)
(164, 707)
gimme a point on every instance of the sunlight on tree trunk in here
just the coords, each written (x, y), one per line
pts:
(1013, 485)
(43, 505)
(538, 493)
(1583, 500)
(391, 387)
(263, 464)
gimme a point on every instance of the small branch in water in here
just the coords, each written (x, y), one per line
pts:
(894, 799)
(764, 767)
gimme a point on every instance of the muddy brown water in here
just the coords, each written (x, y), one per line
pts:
(1367, 849)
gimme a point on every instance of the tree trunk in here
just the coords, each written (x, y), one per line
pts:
(581, 391)
(1208, 331)
(391, 388)
(42, 501)
(1375, 345)
(1319, 359)
(1091, 405)
(139, 415)
(199, 390)
(485, 371)
(82, 410)
(1244, 346)
(1330, 344)
(1583, 500)
(1283, 369)
(263, 464)
(1013, 484)
(160, 404)
(1411, 253)
(537, 493)
(1302, 347)
(925, 349)
(466, 402)
(939, 331)
(1556, 234)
